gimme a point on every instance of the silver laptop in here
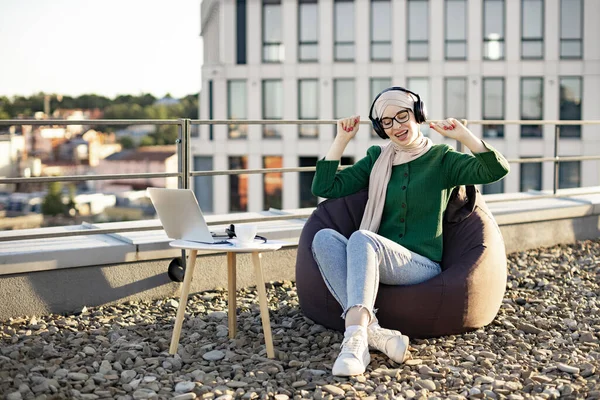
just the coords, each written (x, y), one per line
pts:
(180, 215)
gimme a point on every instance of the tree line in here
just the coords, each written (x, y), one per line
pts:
(143, 106)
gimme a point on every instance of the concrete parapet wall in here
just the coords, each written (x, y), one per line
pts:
(63, 275)
(68, 290)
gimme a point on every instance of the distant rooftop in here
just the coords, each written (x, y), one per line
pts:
(150, 153)
(166, 101)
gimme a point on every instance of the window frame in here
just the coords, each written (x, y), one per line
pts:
(561, 129)
(541, 180)
(264, 5)
(277, 135)
(308, 43)
(486, 40)
(335, 99)
(241, 49)
(236, 180)
(581, 32)
(244, 135)
(272, 175)
(380, 42)
(503, 102)
(531, 39)
(408, 29)
(300, 117)
(540, 127)
(466, 104)
(306, 177)
(338, 42)
(561, 164)
(456, 41)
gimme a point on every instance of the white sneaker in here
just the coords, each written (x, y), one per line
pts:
(354, 355)
(392, 343)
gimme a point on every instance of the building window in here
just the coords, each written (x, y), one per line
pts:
(569, 174)
(240, 27)
(381, 30)
(308, 30)
(307, 199)
(456, 29)
(236, 107)
(456, 98)
(493, 29)
(493, 188)
(531, 176)
(532, 105)
(421, 87)
(343, 31)
(570, 105)
(308, 106)
(195, 130)
(493, 106)
(238, 185)
(347, 161)
(377, 86)
(203, 185)
(532, 29)
(272, 35)
(343, 99)
(418, 30)
(272, 106)
(210, 109)
(571, 29)
(272, 183)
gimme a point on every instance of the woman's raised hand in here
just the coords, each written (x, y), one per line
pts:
(347, 127)
(450, 128)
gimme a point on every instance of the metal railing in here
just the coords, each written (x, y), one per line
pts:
(185, 173)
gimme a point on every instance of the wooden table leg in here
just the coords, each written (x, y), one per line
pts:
(185, 290)
(262, 300)
(231, 288)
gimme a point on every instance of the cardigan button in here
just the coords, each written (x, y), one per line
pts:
(403, 187)
(401, 219)
(406, 174)
(400, 235)
(403, 205)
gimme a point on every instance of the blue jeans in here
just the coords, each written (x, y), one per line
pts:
(353, 268)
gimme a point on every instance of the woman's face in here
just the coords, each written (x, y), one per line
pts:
(404, 132)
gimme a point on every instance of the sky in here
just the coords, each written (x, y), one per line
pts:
(105, 47)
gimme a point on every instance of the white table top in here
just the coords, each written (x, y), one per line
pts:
(234, 247)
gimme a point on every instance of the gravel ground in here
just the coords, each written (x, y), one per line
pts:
(543, 344)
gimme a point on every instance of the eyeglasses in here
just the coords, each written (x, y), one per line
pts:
(230, 231)
(400, 117)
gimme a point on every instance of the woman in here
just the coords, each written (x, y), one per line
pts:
(400, 238)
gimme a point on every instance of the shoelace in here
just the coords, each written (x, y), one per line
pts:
(380, 336)
(352, 344)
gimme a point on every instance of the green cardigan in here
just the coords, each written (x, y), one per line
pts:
(417, 193)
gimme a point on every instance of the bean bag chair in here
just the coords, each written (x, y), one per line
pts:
(465, 296)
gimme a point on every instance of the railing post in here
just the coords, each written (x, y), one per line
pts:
(179, 148)
(186, 145)
(183, 153)
(556, 141)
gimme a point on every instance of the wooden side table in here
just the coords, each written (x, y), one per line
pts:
(256, 249)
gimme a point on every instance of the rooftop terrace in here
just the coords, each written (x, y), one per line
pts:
(543, 344)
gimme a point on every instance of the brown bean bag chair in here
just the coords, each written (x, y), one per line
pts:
(465, 296)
